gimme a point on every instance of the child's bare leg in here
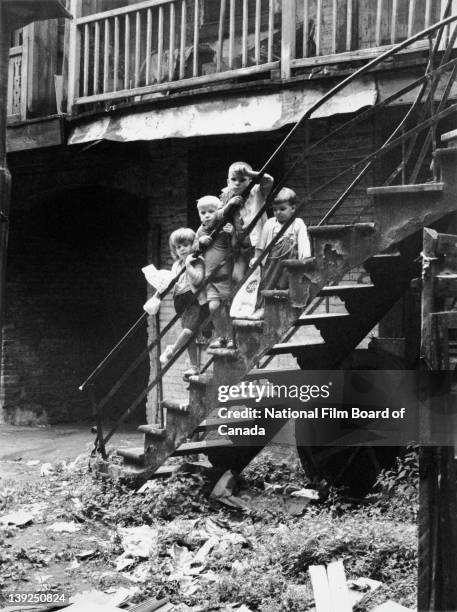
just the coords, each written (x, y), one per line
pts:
(239, 269)
(217, 318)
(192, 351)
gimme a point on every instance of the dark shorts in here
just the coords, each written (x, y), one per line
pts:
(193, 313)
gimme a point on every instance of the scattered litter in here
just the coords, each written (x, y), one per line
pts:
(391, 606)
(142, 573)
(139, 541)
(85, 554)
(124, 562)
(20, 518)
(99, 598)
(360, 587)
(33, 462)
(64, 527)
(330, 588)
(46, 469)
(225, 486)
(310, 494)
(73, 565)
(273, 487)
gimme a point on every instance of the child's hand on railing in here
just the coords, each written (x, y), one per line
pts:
(252, 262)
(228, 229)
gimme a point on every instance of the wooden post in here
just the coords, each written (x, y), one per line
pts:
(437, 589)
(288, 41)
(5, 177)
(74, 45)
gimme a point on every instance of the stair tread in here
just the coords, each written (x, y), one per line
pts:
(322, 316)
(213, 422)
(134, 453)
(283, 348)
(419, 188)
(337, 289)
(189, 448)
(338, 228)
(152, 430)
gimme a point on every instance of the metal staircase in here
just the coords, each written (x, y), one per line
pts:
(386, 247)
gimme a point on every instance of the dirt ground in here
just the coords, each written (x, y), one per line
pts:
(23, 450)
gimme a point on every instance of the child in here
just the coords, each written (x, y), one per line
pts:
(293, 244)
(238, 178)
(192, 308)
(212, 215)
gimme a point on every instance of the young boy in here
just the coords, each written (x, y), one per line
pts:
(218, 249)
(293, 244)
(192, 308)
(239, 176)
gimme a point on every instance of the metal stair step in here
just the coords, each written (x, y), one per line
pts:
(214, 422)
(405, 189)
(342, 290)
(190, 448)
(320, 317)
(289, 347)
(134, 453)
(250, 324)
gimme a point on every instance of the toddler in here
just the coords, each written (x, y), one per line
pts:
(192, 308)
(239, 176)
(293, 244)
(212, 216)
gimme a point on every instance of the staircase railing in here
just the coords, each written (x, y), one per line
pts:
(429, 81)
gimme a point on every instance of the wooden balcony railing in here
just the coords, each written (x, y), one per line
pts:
(160, 45)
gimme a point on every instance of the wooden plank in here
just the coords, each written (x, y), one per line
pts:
(116, 54)
(305, 27)
(35, 134)
(136, 73)
(74, 42)
(196, 36)
(428, 13)
(379, 9)
(171, 52)
(393, 23)
(86, 61)
(318, 27)
(106, 56)
(160, 45)
(127, 52)
(148, 46)
(288, 38)
(446, 244)
(125, 10)
(206, 79)
(406, 189)
(349, 20)
(348, 56)
(220, 37)
(338, 588)
(271, 23)
(411, 16)
(244, 37)
(96, 56)
(231, 34)
(258, 8)
(24, 73)
(182, 51)
(334, 24)
(321, 589)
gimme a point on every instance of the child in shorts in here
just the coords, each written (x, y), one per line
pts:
(218, 249)
(293, 244)
(239, 176)
(192, 308)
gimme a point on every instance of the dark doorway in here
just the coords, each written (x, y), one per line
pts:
(74, 288)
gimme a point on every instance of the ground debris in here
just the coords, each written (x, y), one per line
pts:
(391, 606)
(139, 541)
(64, 527)
(20, 518)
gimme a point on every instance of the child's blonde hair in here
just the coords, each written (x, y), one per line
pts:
(286, 195)
(183, 235)
(239, 163)
(209, 202)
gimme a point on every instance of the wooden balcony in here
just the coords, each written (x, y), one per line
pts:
(16, 102)
(152, 47)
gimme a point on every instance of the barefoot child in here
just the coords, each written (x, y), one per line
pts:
(212, 215)
(192, 308)
(239, 176)
(293, 244)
